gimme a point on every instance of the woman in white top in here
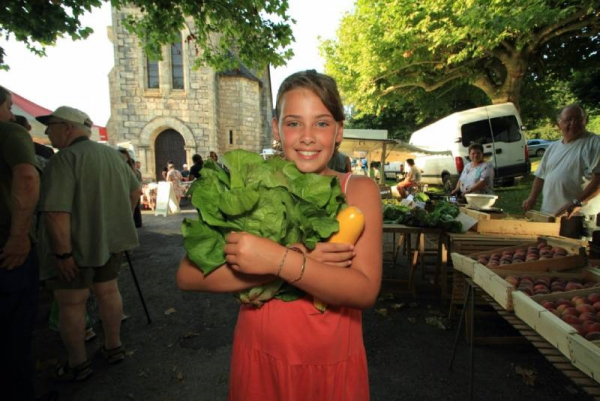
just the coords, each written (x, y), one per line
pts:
(477, 176)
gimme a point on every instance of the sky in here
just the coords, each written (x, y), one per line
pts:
(75, 73)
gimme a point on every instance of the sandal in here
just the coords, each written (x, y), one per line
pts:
(78, 373)
(114, 355)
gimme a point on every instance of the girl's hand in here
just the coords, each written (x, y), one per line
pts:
(333, 254)
(250, 254)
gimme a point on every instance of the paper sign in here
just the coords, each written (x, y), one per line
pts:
(420, 205)
(407, 203)
(466, 221)
(166, 202)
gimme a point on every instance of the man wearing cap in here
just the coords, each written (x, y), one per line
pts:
(19, 192)
(88, 196)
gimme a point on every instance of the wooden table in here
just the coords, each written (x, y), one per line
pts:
(405, 239)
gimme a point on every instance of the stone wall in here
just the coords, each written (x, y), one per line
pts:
(203, 112)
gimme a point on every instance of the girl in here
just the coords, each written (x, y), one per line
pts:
(289, 350)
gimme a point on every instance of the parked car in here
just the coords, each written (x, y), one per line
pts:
(537, 147)
(394, 171)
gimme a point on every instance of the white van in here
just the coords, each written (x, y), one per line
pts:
(497, 128)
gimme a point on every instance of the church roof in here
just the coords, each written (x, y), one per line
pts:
(240, 71)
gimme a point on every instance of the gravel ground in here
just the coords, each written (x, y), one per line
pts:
(184, 354)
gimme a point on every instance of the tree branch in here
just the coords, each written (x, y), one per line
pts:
(573, 23)
(427, 87)
(407, 66)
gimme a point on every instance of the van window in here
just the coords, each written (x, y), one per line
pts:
(476, 132)
(506, 129)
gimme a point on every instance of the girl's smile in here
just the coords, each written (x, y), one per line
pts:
(307, 131)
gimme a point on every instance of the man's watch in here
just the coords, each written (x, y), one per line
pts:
(577, 202)
(63, 256)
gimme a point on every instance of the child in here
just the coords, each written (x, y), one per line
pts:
(289, 350)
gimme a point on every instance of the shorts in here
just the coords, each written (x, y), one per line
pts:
(89, 275)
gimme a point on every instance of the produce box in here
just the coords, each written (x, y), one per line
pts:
(558, 258)
(574, 258)
(544, 322)
(471, 242)
(568, 339)
(490, 224)
(495, 283)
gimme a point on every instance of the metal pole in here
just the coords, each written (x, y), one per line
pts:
(460, 321)
(137, 285)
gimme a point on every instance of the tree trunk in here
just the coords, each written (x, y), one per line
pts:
(510, 90)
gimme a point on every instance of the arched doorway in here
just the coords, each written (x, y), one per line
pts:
(168, 146)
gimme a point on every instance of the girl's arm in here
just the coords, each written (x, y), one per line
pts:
(223, 279)
(355, 286)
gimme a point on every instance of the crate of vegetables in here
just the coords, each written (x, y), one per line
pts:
(569, 321)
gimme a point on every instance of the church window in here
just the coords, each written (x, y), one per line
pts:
(177, 65)
(152, 71)
(231, 137)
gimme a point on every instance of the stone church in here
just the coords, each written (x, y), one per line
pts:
(167, 110)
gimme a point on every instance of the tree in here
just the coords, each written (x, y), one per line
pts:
(390, 50)
(257, 31)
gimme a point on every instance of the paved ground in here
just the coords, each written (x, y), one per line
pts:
(184, 354)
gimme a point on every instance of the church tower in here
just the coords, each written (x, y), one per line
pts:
(167, 110)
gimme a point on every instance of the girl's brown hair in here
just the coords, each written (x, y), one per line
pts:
(320, 84)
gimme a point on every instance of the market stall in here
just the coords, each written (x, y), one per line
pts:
(545, 289)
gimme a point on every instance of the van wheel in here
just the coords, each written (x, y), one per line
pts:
(540, 152)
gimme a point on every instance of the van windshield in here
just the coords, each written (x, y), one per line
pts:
(505, 129)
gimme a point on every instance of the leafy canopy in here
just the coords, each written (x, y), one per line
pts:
(257, 31)
(390, 51)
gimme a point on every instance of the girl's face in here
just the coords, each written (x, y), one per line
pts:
(476, 155)
(6, 114)
(307, 131)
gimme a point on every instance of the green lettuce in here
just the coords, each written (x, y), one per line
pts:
(271, 199)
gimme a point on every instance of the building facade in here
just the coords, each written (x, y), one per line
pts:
(166, 110)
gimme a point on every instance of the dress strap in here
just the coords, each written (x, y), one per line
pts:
(344, 182)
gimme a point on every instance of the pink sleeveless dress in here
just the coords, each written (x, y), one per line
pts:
(289, 351)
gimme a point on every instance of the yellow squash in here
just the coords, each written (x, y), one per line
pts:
(352, 223)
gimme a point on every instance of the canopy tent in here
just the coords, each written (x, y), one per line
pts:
(31, 110)
(378, 148)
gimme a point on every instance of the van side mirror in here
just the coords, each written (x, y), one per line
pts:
(523, 128)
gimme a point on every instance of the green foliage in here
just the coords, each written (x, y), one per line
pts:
(271, 199)
(390, 51)
(256, 31)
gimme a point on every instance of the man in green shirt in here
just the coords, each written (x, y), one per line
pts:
(19, 192)
(88, 196)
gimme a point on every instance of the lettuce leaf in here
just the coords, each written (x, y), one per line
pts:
(271, 199)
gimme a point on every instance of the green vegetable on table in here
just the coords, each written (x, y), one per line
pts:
(270, 199)
(443, 216)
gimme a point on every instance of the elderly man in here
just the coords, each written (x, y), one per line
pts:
(569, 174)
(88, 195)
(19, 192)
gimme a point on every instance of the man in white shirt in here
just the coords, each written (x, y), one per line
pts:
(569, 173)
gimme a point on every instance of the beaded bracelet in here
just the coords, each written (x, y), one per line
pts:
(293, 248)
(280, 267)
